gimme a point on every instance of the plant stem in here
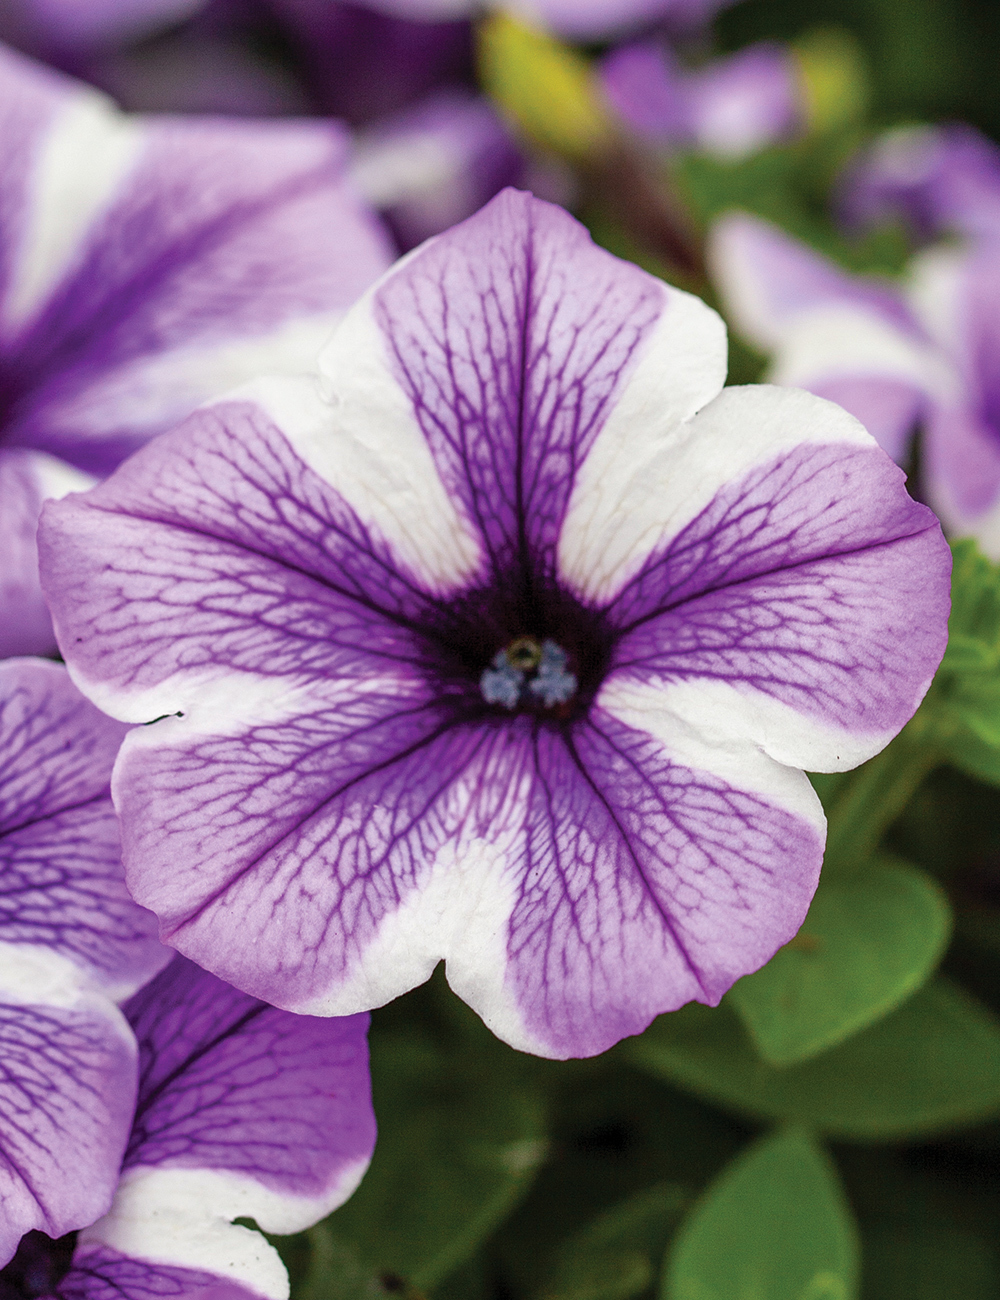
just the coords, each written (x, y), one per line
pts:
(877, 792)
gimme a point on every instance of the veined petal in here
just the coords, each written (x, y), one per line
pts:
(159, 260)
(310, 830)
(295, 584)
(773, 586)
(100, 1273)
(473, 845)
(657, 869)
(243, 1110)
(510, 342)
(67, 1088)
(60, 856)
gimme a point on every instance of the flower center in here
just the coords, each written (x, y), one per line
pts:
(528, 671)
(38, 1268)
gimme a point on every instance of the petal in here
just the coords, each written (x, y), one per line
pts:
(67, 1089)
(243, 1111)
(934, 177)
(962, 472)
(742, 103)
(770, 281)
(643, 84)
(305, 831)
(251, 247)
(100, 1273)
(781, 587)
(200, 599)
(60, 856)
(362, 859)
(71, 25)
(509, 342)
(436, 164)
(25, 624)
(274, 1108)
(659, 870)
(595, 20)
(851, 340)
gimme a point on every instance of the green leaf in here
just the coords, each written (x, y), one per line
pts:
(869, 941)
(618, 1254)
(773, 1226)
(963, 705)
(461, 1135)
(546, 88)
(930, 1065)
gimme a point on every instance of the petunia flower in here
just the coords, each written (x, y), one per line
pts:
(933, 178)
(731, 107)
(516, 464)
(146, 265)
(437, 163)
(924, 355)
(242, 1111)
(61, 27)
(72, 945)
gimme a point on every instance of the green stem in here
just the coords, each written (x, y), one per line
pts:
(876, 794)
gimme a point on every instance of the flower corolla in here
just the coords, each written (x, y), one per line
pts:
(518, 459)
(730, 107)
(933, 178)
(147, 264)
(153, 1126)
(921, 355)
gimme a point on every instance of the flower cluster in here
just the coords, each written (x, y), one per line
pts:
(441, 609)
(155, 1125)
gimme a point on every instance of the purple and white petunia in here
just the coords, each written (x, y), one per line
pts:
(935, 178)
(62, 27)
(72, 945)
(146, 264)
(502, 641)
(242, 1111)
(731, 107)
(922, 355)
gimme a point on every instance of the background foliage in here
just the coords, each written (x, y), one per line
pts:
(832, 1131)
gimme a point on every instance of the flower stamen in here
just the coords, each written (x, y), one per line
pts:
(528, 665)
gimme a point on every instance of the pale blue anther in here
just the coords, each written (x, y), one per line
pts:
(502, 683)
(552, 683)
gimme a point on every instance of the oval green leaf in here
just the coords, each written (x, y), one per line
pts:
(930, 1065)
(773, 1226)
(870, 940)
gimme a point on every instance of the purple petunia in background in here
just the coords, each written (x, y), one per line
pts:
(729, 107)
(501, 640)
(934, 178)
(154, 1126)
(925, 354)
(146, 264)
